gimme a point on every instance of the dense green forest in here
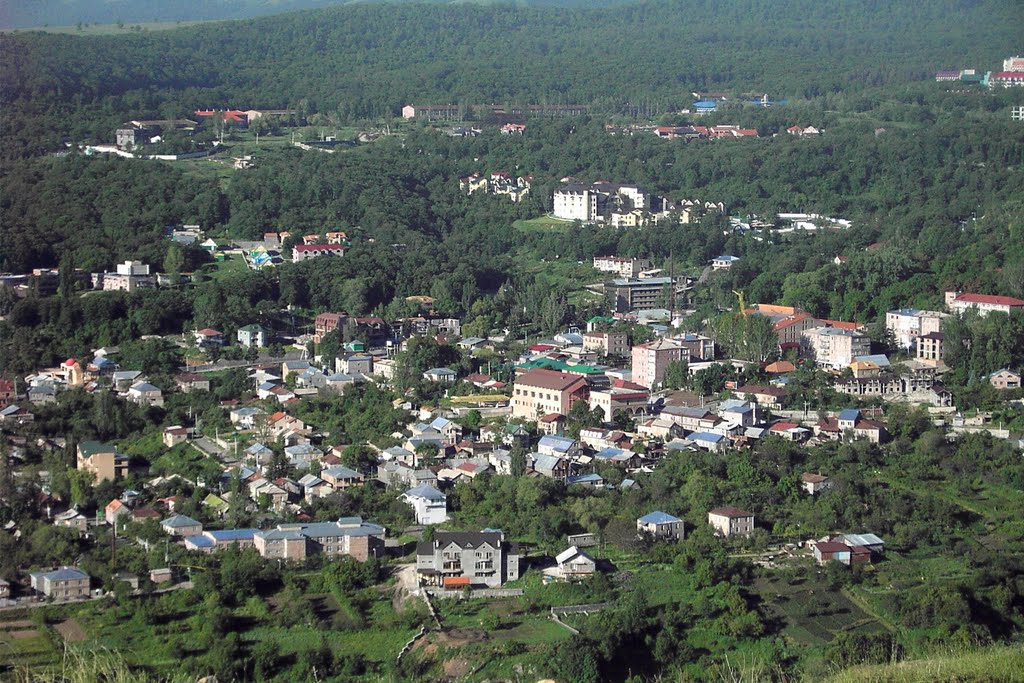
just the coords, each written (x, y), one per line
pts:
(655, 54)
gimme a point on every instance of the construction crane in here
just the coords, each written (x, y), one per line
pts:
(743, 301)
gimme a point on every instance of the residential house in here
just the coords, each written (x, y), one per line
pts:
(573, 564)
(66, 583)
(551, 466)
(304, 252)
(341, 478)
(211, 541)
(314, 487)
(450, 431)
(326, 323)
(769, 397)
(931, 348)
(460, 559)
(7, 392)
(540, 392)
(851, 421)
(590, 481)
(253, 336)
(208, 337)
(102, 460)
(662, 526)
(175, 435)
(1005, 379)
(181, 526)
(14, 414)
(114, 510)
(246, 416)
(723, 262)
(440, 375)
(552, 424)
(349, 536)
(72, 519)
(607, 343)
(558, 446)
(429, 505)
(815, 483)
(731, 521)
(191, 381)
(303, 456)
(960, 302)
(145, 394)
(123, 379)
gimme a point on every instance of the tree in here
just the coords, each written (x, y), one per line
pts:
(677, 375)
(173, 261)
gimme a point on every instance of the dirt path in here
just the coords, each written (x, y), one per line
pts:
(71, 631)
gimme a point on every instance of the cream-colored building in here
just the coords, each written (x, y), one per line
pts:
(541, 392)
(731, 521)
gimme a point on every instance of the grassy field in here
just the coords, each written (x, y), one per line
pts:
(541, 224)
(24, 643)
(992, 665)
(231, 265)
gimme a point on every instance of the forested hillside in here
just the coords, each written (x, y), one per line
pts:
(15, 14)
(368, 60)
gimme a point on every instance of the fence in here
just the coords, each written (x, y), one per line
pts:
(476, 593)
(581, 609)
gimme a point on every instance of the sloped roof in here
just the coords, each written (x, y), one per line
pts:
(658, 517)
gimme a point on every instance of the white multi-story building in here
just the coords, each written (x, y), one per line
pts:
(835, 347)
(590, 203)
(961, 302)
(128, 277)
(623, 267)
(907, 324)
(1013, 64)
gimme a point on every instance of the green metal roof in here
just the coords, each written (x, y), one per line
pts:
(90, 448)
(560, 366)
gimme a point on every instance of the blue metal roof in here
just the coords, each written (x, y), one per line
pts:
(63, 574)
(849, 414)
(201, 542)
(226, 535)
(658, 517)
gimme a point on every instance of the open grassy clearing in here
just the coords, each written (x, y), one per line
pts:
(542, 224)
(991, 665)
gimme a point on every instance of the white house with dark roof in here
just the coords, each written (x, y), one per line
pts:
(459, 559)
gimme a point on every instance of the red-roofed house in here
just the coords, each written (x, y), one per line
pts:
(1006, 79)
(209, 337)
(7, 393)
(961, 302)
